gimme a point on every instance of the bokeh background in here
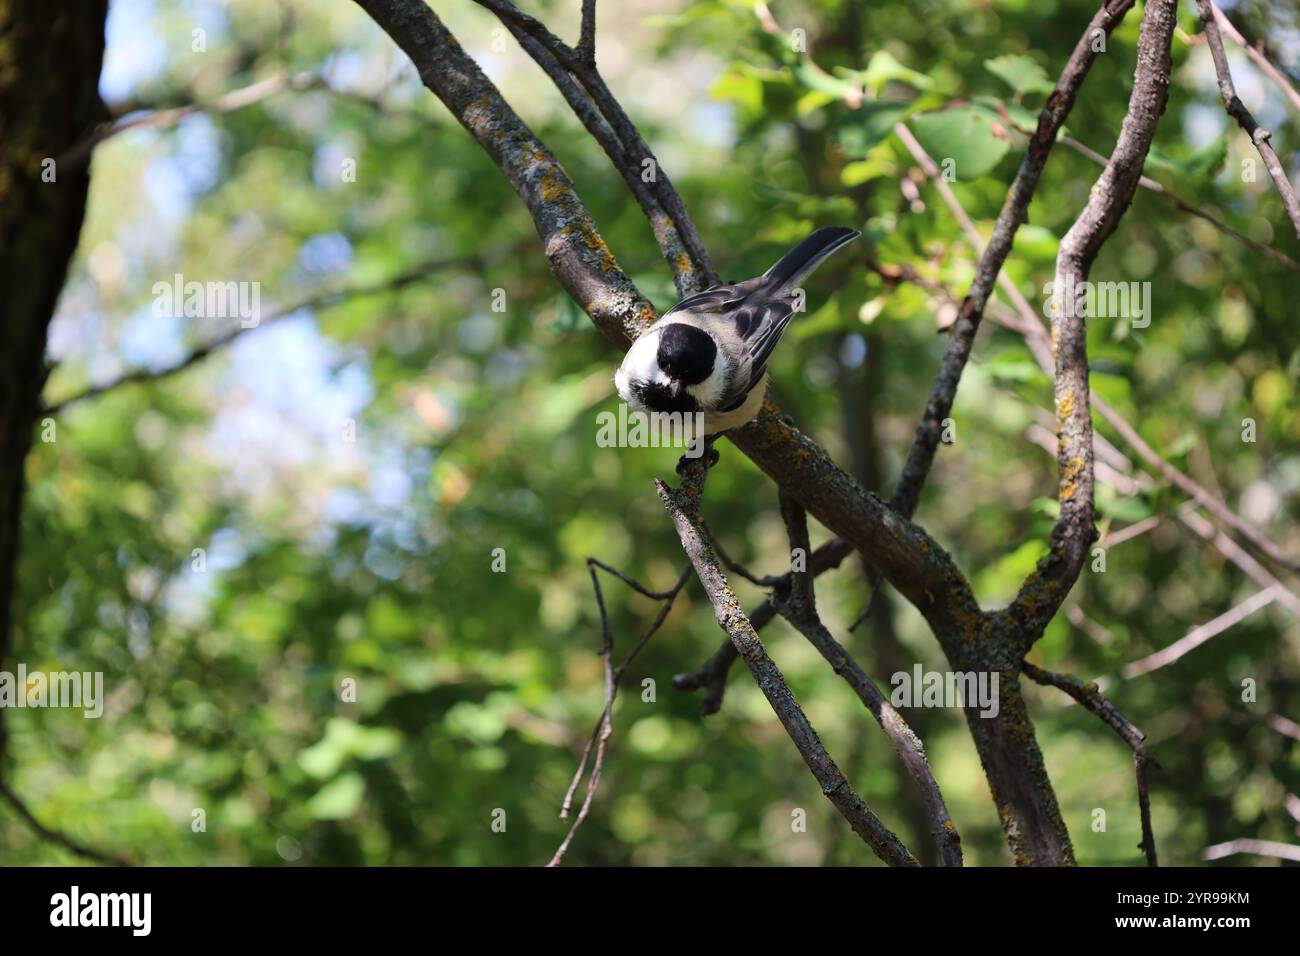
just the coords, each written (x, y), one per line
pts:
(328, 558)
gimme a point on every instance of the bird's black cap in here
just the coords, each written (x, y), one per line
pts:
(686, 353)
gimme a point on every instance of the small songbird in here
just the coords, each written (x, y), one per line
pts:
(709, 352)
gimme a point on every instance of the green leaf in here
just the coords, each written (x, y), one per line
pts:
(338, 799)
(1020, 73)
(970, 136)
(742, 88)
(883, 68)
(863, 171)
(868, 126)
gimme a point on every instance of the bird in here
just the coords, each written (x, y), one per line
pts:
(708, 354)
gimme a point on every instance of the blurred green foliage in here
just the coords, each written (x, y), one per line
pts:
(325, 559)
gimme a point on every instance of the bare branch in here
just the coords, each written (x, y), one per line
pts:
(170, 116)
(323, 300)
(587, 39)
(683, 506)
(1237, 110)
(1238, 556)
(613, 677)
(1281, 851)
(1185, 207)
(797, 603)
(671, 243)
(1090, 698)
(1015, 211)
(692, 267)
(1030, 325)
(54, 836)
(1200, 634)
(1045, 590)
(1272, 72)
(712, 674)
(1195, 491)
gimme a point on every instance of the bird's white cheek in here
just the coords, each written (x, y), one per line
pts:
(709, 392)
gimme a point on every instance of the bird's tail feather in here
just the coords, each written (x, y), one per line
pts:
(797, 264)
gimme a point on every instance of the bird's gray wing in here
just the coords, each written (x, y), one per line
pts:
(718, 298)
(756, 328)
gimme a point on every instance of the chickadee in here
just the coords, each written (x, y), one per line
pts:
(709, 352)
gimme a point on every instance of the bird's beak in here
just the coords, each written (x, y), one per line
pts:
(675, 388)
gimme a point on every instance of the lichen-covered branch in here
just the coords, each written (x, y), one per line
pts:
(1045, 590)
(683, 506)
(579, 258)
(674, 230)
(687, 275)
(1015, 211)
(577, 254)
(711, 676)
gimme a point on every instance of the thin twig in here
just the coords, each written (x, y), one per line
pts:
(1091, 699)
(1200, 634)
(797, 603)
(320, 300)
(1281, 851)
(683, 506)
(1272, 72)
(1185, 207)
(170, 116)
(1237, 110)
(613, 677)
(54, 836)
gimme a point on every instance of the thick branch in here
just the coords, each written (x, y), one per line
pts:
(1015, 211)
(1045, 590)
(909, 558)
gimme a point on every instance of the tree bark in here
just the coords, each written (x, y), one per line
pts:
(50, 58)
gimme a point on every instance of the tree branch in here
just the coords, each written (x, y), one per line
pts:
(579, 258)
(587, 39)
(797, 603)
(1015, 211)
(321, 300)
(54, 836)
(683, 506)
(686, 275)
(1272, 72)
(712, 674)
(613, 677)
(1185, 207)
(1090, 698)
(1043, 593)
(1237, 110)
(691, 267)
